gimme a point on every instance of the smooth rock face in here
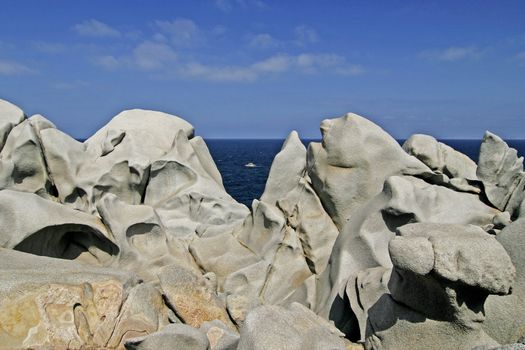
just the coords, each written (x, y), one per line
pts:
(468, 265)
(501, 172)
(130, 240)
(273, 327)
(22, 165)
(440, 157)
(352, 163)
(173, 336)
(506, 315)
(10, 116)
(34, 225)
(220, 336)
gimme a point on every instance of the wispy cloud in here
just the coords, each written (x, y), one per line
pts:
(452, 54)
(153, 56)
(95, 28)
(14, 68)
(228, 5)
(146, 56)
(277, 64)
(263, 41)
(172, 53)
(181, 31)
(48, 47)
(107, 62)
(305, 35)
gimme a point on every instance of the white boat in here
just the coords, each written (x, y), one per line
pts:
(250, 165)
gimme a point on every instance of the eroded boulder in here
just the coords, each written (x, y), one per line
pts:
(274, 327)
(501, 172)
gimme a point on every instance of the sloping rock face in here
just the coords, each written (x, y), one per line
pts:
(129, 240)
(501, 171)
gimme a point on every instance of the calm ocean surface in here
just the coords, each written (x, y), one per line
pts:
(245, 183)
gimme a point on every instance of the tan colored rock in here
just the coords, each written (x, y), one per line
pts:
(191, 298)
(60, 304)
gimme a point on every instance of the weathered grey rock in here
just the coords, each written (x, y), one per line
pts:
(10, 116)
(22, 164)
(144, 195)
(222, 254)
(462, 254)
(288, 167)
(145, 246)
(203, 153)
(274, 327)
(412, 254)
(242, 289)
(173, 336)
(83, 175)
(501, 172)
(352, 164)
(440, 157)
(506, 314)
(290, 231)
(515, 346)
(164, 126)
(363, 243)
(35, 225)
(187, 197)
(290, 189)
(220, 336)
(445, 303)
(39, 123)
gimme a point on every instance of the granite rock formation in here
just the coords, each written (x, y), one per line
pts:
(129, 240)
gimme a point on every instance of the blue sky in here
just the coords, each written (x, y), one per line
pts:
(260, 68)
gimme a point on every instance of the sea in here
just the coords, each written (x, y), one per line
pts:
(247, 183)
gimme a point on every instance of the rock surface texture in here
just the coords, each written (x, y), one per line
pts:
(129, 240)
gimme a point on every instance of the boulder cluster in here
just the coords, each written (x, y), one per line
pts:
(129, 240)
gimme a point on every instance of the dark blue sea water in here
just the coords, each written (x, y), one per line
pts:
(244, 183)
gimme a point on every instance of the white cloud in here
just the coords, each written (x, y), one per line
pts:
(223, 74)
(49, 48)
(151, 55)
(161, 59)
(181, 31)
(311, 61)
(14, 68)
(281, 63)
(305, 35)
(452, 54)
(263, 41)
(95, 28)
(107, 62)
(277, 63)
(228, 5)
(146, 56)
